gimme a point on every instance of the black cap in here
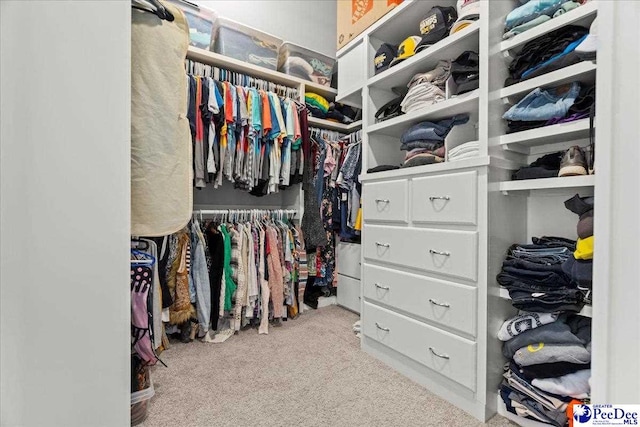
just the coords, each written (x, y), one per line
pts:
(436, 25)
(384, 56)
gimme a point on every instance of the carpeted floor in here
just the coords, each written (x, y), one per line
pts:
(309, 372)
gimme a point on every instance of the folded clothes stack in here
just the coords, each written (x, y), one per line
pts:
(550, 52)
(424, 141)
(544, 107)
(579, 267)
(465, 71)
(427, 88)
(464, 151)
(317, 105)
(342, 113)
(534, 276)
(535, 12)
(549, 365)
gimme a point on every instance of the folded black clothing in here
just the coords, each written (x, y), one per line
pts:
(527, 264)
(580, 327)
(539, 412)
(519, 126)
(542, 49)
(316, 112)
(585, 101)
(546, 301)
(424, 144)
(579, 271)
(580, 205)
(382, 168)
(551, 370)
(554, 242)
(338, 116)
(536, 172)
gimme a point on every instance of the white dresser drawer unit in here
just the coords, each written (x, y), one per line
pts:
(349, 293)
(449, 252)
(386, 201)
(445, 199)
(441, 302)
(348, 259)
(445, 353)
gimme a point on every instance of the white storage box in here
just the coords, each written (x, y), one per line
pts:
(200, 22)
(305, 63)
(244, 43)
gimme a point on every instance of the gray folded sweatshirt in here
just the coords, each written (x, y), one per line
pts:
(557, 332)
(536, 354)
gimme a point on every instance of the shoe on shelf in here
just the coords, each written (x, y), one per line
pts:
(574, 162)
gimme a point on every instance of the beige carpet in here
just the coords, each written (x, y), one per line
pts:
(309, 372)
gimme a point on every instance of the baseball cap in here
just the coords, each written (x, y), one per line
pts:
(468, 13)
(406, 49)
(384, 55)
(436, 25)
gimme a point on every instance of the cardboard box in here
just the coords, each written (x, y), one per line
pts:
(355, 16)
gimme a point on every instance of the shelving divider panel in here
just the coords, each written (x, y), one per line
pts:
(548, 183)
(582, 15)
(582, 71)
(448, 48)
(561, 132)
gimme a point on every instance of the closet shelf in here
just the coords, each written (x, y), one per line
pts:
(448, 48)
(232, 64)
(464, 103)
(586, 311)
(426, 169)
(547, 183)
(329, 125)
(520, 142)
(353, 98)
(584, 72)
(582, 16)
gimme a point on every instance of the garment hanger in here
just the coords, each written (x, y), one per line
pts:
(145, 258)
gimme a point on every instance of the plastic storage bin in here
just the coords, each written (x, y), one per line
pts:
(244, 43)
(305, 63)
(200, 22)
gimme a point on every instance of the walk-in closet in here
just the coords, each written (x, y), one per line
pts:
(319, 213)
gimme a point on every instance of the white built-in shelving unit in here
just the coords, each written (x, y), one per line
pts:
(435, 236)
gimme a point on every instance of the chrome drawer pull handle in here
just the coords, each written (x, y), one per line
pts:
(442, 356)
(386, 288)
(381, 328)
(382, 200)
(432, 198)
(445, 253)
(384, 245)
(434, 302)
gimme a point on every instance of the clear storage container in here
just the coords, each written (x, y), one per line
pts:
(244, 43)
(200, 22)
(305, 63)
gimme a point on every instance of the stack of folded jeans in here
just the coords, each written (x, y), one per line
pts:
(549, 365)
(540, 106)
(579, 266)
(424, 141)
(550, 52)
(533, 13)
(533, 274)
(426, 89)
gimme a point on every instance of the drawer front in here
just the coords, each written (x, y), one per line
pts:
(449, 252)
(349, 293)
(386, 201)
(348, 259)
(445, 353)
(441, 302)
(445, 199)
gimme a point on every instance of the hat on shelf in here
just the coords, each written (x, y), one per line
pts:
(587, 49)
(384, 55)
(468, 13)
(406, 49)
(436, 25)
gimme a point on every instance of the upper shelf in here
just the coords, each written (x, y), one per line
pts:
(584, 72)
(232, 64)
(330, 125)
(448, 48)
(521, 141)
(582, 16)
(547, 183)
(464, 103)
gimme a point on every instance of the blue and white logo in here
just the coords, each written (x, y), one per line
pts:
(605, 415)
(581, 413)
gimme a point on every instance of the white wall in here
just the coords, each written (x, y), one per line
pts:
(64, 189)
(308, 23)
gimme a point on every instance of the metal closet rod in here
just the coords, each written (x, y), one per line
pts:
(245, 211)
